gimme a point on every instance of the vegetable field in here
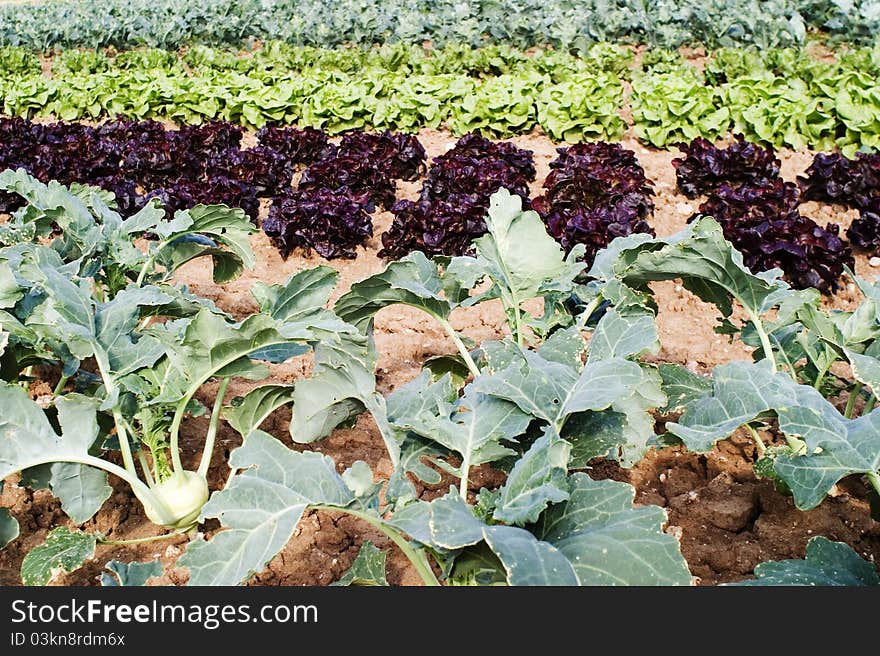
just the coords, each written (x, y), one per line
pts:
(299, 293)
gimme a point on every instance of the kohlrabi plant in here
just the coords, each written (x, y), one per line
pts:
(129, 349)
(791, 386)
(539, 404)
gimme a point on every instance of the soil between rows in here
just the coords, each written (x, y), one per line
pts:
(726, 519)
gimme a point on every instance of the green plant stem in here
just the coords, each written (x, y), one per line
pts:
(174, 447)
(851, 401)
(585, 315)
(765, 339)
(124, 445)
(152, 538)
(417, 558)
(820, 377)
(874, 480)
(27, 373)
(145, 467)
(60, 386)
(143, 272)
(869, 405)
(796, 445)
(465, 472)
(462, 349)
(121, 433)
(759, 443)
(205, 462)
(141, 490)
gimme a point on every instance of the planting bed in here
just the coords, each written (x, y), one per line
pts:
(727, 520)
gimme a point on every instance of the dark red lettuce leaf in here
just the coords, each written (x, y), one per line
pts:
(261, 167)
(864, 232)
(765, 200)
(400, 156)
(365, 183)
(477, 167)
(299, 146)
(435, 227)
(329, 221)
(184, 194)
(704, 167)
(761, 219)
(595, 192)
(210, 139)
(454, 199)
(838, 179)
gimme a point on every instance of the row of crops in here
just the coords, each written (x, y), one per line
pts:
(781, 98)
(670, 23)
(138, 138)
(541, 403)
(595, 192)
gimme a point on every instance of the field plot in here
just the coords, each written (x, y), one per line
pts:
(277, 314)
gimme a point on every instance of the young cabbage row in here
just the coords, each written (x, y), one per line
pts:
(526, 23)
(128, 350)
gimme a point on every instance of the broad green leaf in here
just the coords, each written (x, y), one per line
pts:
(826, 563)
(610, 542)
(359, 479)
(517, 251)
(107, 330)
(681, 386)
(130, 574)
(472, 426)
(81, 489)
(247, 413)
(866, 369)
(596, 537)
(260, 509)
(208, 230)
(304, 294)
(342, 385)
(539, 387)
(115, 330)
(536, 480)
(10, 292)
(707, 265)
(27, 438)
(594, 435)
(565, 346)
(833, 446)
(555, 392)
(453, 365)
(64, 550)
(740, 392)
(413, 280)
(632, 332)
(211, 346)
(412, 450)
(449, 523)
(367, 569)
(9, 528)
(835, 449)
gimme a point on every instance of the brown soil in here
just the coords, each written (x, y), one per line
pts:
(726, 519)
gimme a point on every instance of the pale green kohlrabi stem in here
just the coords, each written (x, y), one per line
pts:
(122, 434)
(874, 480)
(205, 462)
(851, 401)
(459, 344)
(759, 443)
(585, 315)
(765, 339)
